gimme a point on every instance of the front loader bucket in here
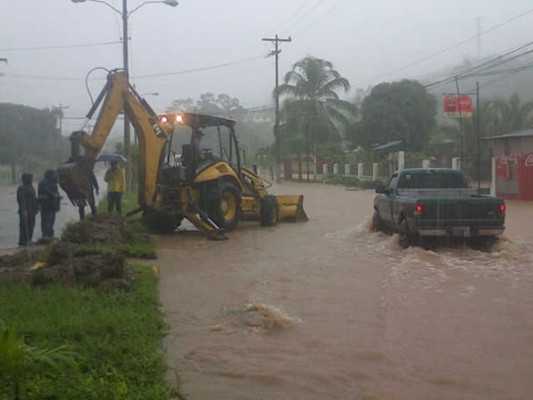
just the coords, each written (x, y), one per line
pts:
(291, 208)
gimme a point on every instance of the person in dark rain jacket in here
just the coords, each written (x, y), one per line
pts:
(49, 200)
(27, 202)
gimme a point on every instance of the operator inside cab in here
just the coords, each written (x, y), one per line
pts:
(198, 144)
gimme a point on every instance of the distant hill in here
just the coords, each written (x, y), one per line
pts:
(518, 79)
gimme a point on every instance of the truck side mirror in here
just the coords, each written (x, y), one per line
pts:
(382, 189)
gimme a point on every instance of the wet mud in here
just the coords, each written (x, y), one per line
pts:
(328, 309)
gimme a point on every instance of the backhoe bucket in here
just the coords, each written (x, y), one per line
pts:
(75, 180)
(290, 208)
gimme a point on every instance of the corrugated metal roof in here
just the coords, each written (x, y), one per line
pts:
(518, 134)
(390, 146)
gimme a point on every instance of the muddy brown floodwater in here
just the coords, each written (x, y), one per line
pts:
(328, 309)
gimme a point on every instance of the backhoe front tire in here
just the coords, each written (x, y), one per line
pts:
(226, 207)
(269, 211)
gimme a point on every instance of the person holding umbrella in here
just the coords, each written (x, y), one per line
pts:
(49, 202)
(116, 186)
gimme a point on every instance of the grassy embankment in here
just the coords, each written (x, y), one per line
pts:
(115, 334)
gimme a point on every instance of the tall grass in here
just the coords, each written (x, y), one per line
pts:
(116, 334)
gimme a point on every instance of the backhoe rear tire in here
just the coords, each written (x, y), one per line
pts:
(226, 207)
(269, 211)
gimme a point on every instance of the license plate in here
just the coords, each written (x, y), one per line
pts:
(463, 231)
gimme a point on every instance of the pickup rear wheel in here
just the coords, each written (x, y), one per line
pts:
(377, 223)
(406, 236)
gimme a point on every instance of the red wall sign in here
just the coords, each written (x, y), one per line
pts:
(450, 104)
(457, 106)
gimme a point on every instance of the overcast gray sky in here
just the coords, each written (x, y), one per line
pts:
(368, 41)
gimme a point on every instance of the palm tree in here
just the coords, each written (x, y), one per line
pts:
(512, 115)
(313, 112)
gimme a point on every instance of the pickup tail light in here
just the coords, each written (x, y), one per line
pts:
(502, 208)
(418, 209)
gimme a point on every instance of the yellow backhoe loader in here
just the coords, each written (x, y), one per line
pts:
(207, 185)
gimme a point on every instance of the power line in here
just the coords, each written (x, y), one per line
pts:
(186, 71)
(451, 47)
(306, 14)
(294, 14)
(65, 46)
(316, 20)
(504, 71)
(478, 70)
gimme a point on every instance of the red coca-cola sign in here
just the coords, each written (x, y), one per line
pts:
(458, 106)
(450, 104)
(465, 105)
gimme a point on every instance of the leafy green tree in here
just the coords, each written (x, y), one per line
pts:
(510, 115)
(497, 117)
(313, 112)
(397, 111)
(29, 138)
(221, 105)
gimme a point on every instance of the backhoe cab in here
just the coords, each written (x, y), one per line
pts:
(210, 163)
(180, 176)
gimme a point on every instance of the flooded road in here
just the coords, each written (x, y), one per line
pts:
(328, 309)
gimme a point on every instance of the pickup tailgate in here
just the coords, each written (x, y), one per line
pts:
(474, 212)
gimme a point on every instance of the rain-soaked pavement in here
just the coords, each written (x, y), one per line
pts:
(328, 309)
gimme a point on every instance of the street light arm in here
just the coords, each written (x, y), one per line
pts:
(171, 3)
(99, 1)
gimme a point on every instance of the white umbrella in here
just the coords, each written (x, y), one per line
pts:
(108, 157)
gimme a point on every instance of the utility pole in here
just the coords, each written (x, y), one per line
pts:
(60, 108)
(4, 60)
(125, 59)
(125, 14)
(461, 133)
(276, 52)
(478, 22)
(478, 147)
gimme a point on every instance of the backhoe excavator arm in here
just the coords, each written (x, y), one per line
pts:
(117, 96)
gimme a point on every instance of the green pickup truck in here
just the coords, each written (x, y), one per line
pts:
(420, 203)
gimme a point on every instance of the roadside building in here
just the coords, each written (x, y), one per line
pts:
(9, 175)
(513, 164)
(300, 167)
